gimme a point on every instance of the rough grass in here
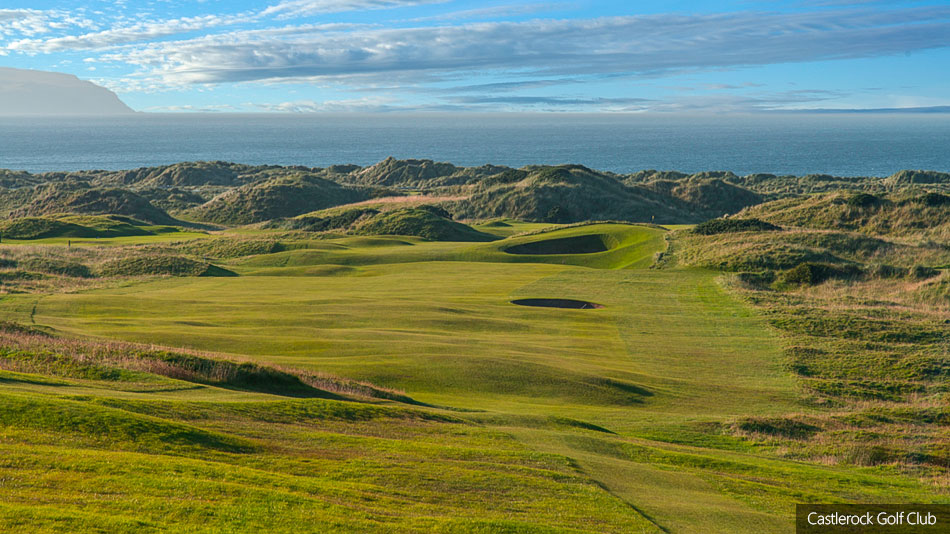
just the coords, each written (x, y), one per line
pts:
(27, 349)
(865, 333)
(906, 214)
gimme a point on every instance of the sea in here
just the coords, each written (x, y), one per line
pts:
(840, 144)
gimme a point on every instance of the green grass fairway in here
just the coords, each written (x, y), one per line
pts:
(446, 332)
(522, 419)
(162, 235)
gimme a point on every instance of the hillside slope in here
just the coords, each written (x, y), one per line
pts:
(81, 198)
(34, 92)
(286, 196)
(923, 214)
(569, 193)
(419, 174)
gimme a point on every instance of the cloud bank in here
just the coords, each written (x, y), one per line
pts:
(286, 42)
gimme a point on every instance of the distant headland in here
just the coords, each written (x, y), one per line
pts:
(33, 92)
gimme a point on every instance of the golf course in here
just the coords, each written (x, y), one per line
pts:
(382, 366)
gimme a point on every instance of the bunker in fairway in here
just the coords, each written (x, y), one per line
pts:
(558, 303)
(582, 244)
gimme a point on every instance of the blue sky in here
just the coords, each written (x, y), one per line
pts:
(499, 55)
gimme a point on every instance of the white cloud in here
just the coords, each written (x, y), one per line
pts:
(192, 109)
(31, 22)
(760, 101)
(496, 11)
(133, 33)
(559, 103)
(155, 55)
(123, 32)
(304, 8)
(368, 104)
(639, 45)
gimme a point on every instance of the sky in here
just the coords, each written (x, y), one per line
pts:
(490, 56)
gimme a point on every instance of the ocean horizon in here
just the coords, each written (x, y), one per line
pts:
(797, 144)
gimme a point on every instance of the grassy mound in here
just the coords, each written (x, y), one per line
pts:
(83, 199)
(173, 199)
(187, 174)
(918, 177)
(708, 195)
(110, 425)
(227, 247)
(405, 173)
(581, 244)
(422, 223)
(245, 376)
(16, 179)
(50, 265)
(161, 265)
(571, 193)
(419, 174)
(285, 196)
(314, 223)
(86, 226)
(40, 227)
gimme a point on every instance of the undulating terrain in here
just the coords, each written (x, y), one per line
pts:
(419, 347)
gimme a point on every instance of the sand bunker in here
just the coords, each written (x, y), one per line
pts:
(558, 303)
(582, 244)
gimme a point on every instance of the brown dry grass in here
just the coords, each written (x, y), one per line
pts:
(903, 419)
(56, 356)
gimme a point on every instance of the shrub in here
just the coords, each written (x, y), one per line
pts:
(881, 270)
(723, 226)
(553, 175)
(815, 273)
(920, 272)
(778, 426)
(435, 210)
(557, 215)
(864, 200)
(758, 280)
(868, 455)
(934, 199)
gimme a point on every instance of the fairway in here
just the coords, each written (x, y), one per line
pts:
(447, 333)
